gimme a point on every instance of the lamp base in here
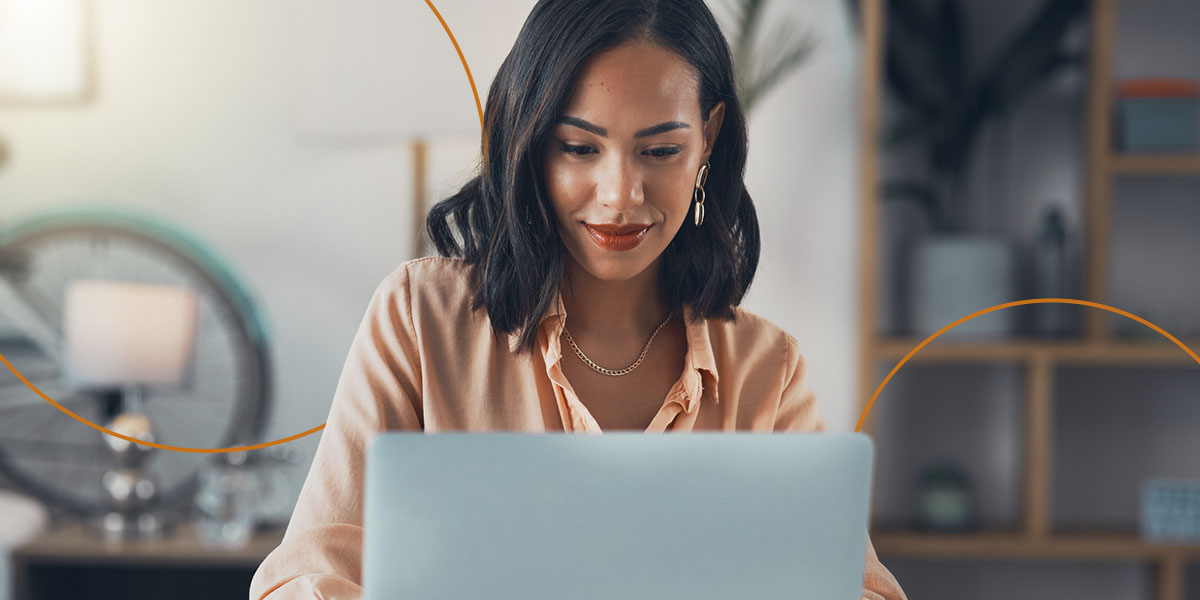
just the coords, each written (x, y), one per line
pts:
(130, 488)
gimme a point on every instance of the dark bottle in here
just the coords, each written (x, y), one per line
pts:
(1050, 275)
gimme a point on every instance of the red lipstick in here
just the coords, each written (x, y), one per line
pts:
(617, 238)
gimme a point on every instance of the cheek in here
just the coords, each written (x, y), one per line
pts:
(672, 187)
(566, 186)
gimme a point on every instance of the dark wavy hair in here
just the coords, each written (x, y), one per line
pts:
(504, 217)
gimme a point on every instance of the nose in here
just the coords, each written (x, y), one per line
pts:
(620, 186)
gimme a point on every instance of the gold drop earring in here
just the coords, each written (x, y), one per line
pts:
(698, 193)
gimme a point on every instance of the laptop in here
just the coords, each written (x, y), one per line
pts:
(696, 516)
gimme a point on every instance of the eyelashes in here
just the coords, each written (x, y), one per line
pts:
(662, 152)
(576, 150)
(580, 151)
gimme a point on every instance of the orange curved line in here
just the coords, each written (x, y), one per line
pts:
(466, 67)
(101, 429)
(939, 332)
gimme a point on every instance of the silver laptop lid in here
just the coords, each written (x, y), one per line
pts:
(616, 516)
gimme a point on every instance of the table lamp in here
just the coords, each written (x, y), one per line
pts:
(124, 336)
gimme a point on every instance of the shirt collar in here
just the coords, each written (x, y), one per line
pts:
(700, 353)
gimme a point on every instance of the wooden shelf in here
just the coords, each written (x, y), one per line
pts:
(1155, 164)
(72, 561)
(1116, 352)
(1014, 546)
(73, 544)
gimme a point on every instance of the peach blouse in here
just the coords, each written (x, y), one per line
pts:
(421, 360)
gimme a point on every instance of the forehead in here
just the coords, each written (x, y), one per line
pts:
(635, 85)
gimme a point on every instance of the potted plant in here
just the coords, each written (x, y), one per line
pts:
(943, 107)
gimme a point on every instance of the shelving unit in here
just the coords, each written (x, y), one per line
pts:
(1036, 537)
(1148, 352)
(1080, 546)
(1152, 165)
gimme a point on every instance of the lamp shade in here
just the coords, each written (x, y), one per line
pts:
(120, 333)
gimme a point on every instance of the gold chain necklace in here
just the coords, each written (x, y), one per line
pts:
(615, 372)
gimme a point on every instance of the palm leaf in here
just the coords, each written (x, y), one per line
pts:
(1027, 60)
(952, 50)
(1030, 56)
(916, 61)
(786, 49)
(746, 16)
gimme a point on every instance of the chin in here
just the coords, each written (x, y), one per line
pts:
(614, 273)
(612, 266)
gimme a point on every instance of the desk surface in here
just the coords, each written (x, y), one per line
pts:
(73, 543)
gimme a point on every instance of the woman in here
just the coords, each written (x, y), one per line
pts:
(589, 281)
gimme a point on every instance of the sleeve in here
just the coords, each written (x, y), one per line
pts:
(320, 555)
(798, 411)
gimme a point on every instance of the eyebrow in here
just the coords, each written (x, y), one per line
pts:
(602, 132)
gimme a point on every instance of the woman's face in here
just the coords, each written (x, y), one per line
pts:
(624, 154)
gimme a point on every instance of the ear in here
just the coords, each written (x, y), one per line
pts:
(712, 127)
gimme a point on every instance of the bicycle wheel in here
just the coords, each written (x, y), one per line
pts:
(61, 461)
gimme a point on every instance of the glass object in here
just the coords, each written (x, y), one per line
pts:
(277, 473)
(226, 503)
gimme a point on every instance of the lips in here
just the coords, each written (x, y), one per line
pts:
(618, 229)
(617, 237)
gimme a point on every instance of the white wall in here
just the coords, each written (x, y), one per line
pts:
(803, 176)
(195, 122)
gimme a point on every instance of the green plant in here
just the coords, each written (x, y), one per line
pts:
(944, 106)
(760, 67)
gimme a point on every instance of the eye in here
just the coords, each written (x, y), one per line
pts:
(575, 150)
(665, 152)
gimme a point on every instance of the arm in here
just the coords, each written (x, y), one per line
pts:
(798, 412)
(321, 553)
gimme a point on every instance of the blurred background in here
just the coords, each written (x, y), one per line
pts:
(197, 200)
(269, 159)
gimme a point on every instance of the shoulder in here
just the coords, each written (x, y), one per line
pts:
(433, 290)
(430, 277)
(751, 338)
(750, 352)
